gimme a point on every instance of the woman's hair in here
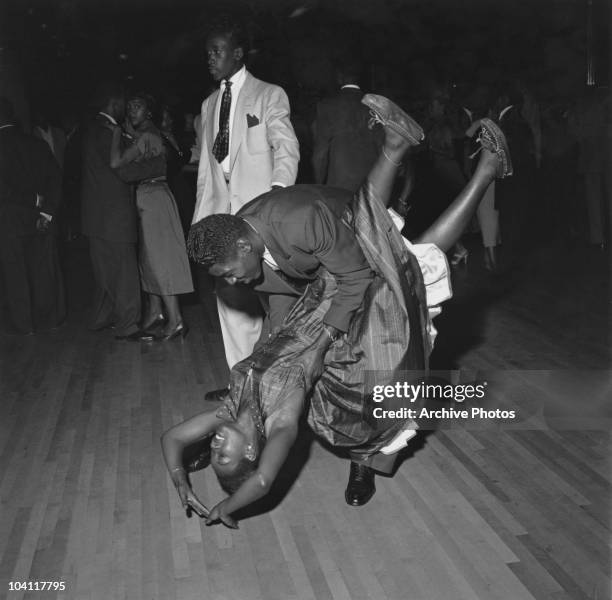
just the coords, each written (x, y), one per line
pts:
(231, 482)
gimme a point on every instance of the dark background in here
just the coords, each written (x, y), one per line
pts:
(54, 51)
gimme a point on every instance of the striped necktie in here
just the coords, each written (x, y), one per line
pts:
(221, 145)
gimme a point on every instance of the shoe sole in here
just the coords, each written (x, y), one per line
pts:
(414, 134)
(498, 144)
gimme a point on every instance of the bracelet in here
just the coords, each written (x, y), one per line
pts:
(397, 164)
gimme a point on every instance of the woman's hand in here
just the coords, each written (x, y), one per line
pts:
(129, 128)
(218, 513)
(188, 499)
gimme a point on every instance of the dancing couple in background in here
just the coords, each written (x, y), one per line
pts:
(132, 243)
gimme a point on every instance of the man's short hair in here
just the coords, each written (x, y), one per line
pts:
(106, 91)
(213, 239)
(233, 29)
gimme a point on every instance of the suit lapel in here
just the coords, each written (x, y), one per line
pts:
(243, 105)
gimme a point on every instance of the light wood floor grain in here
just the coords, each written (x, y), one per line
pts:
(475, 513)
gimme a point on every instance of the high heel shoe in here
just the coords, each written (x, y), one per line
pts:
(159, 321)
(459, 257)
(180, 330)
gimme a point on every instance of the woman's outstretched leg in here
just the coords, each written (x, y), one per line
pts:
(401, 132)
(494, 162)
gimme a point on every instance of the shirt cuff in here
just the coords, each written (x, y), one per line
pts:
(278, 183)
(46, 216)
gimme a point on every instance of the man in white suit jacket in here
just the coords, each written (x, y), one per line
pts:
(263, 152)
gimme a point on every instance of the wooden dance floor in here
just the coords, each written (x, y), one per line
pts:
(472, 514)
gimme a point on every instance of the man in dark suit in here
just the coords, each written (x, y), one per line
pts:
(109, 220)
(345, 148)
(30, 196)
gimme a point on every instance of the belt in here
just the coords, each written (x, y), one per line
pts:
(153, 180)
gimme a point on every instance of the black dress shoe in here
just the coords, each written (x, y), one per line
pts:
(216, 395)
(360, 486)
(137, 336)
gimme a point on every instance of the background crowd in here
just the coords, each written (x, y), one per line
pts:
(559, 195)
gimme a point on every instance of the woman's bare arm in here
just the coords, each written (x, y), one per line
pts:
(449, 226)
(177, 438)
(174, 441)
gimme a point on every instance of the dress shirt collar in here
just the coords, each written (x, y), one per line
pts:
(267, 255)
(113, 121)
(7, 125)
(350, 86)
(237, 79)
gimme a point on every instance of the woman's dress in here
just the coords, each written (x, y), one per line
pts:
(162, 254)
